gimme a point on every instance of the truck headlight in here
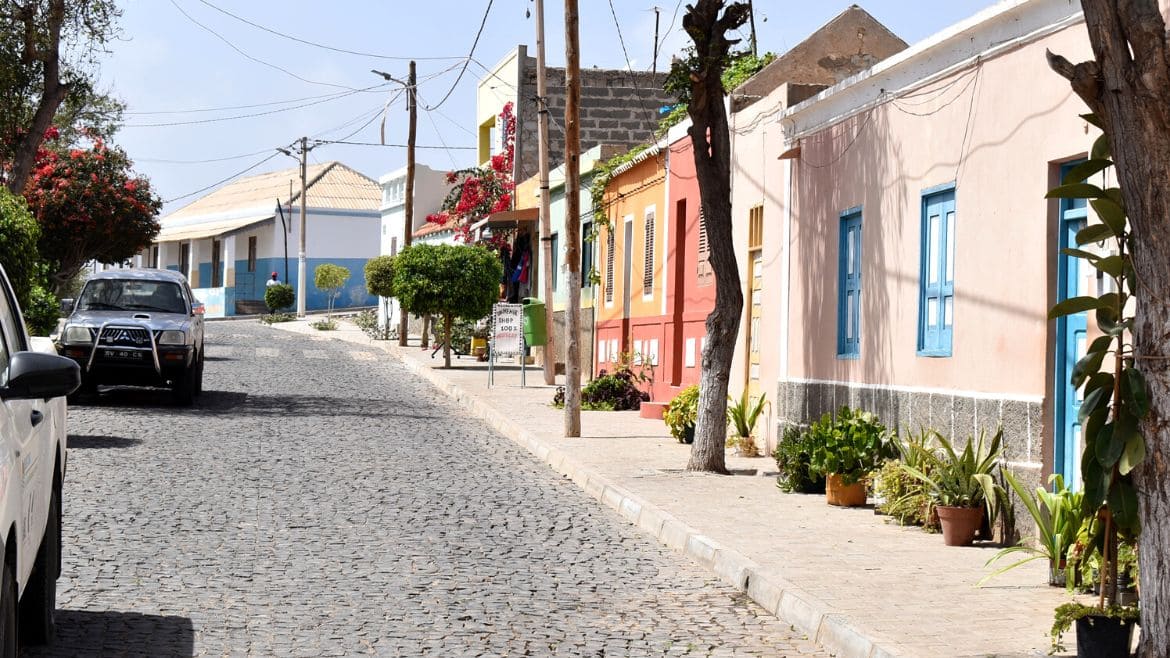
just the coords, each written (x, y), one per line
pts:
(77, 335)
(172, 337)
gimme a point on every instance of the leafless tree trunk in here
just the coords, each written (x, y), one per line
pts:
(447, 322)
(1127, 85)
(708, 22)
(53, 92)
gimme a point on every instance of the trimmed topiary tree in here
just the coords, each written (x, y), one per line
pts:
(452, 281)
(330, 278)
(380, 282)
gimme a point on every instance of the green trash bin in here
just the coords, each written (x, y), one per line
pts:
(534, 322)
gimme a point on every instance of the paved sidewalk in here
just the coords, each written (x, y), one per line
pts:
(859, 586)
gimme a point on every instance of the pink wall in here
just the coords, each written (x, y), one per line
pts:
(995, 131)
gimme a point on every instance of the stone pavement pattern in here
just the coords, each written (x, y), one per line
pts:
(846, 577)
(319, 500)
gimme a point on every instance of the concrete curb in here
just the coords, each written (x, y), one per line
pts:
(791, 604)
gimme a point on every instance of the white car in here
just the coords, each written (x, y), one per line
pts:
(32, 469)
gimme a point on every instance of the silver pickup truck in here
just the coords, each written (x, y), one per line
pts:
(139, 327)
(33, 386)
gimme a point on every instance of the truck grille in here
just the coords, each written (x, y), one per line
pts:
(124, 337)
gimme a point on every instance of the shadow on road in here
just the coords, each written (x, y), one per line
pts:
(114, 633)
(130, 400)
(98, 442)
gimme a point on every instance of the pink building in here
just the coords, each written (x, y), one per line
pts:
(909, 255)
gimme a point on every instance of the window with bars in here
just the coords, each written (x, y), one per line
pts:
(648, 257)
(609, 245)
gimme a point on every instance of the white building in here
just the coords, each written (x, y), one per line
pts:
(430, 187)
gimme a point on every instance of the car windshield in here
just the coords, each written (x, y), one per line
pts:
(132, 295)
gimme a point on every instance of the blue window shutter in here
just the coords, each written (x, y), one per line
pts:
(849, 285)
(553, 262)
(937, 274)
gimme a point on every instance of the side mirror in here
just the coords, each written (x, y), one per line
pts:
(197, 308)
(67, 306)
(35, 375)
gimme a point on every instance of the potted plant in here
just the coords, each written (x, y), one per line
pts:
(1116, 399)
(1059, 519)
(479, 340)
(961, 485)
(681, 414)
(901, 495)
(847, 450)
(742, 415)
(793, 454)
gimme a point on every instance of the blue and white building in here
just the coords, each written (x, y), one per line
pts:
(229, 242)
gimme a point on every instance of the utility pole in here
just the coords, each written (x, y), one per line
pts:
(654, 60)
(408, 198)
(546, 271)
(752, 20)
(572, 220)
(303, 148)
(302, 256)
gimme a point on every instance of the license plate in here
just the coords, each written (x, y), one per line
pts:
(122, 354)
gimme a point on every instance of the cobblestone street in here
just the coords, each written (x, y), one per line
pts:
(319, 500)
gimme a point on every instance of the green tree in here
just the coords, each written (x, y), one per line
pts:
(1126, 85)
(18, 246)
(453, 281)
(330, 278)
(380, 282)
(48, 55)
(279, 296)
(700, 79)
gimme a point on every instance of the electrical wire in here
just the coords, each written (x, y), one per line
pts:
(320, 45)
(223, 180)
(252, 58)
(439, 134)
(208, 161)
(470, 54)
(397, 146)
(239, 116)
(247, 107)
(845, 150)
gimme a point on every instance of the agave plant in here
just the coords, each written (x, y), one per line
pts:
(1059, 517)
(743, 415)
(961, 479)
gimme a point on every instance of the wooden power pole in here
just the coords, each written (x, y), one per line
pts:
(408, 196)
(546, 255)
(572, 220)
(411, 126)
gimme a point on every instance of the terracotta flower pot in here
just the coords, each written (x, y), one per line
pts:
(844, 495)
(960, 524)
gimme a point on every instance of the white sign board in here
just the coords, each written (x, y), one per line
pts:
(507, 324)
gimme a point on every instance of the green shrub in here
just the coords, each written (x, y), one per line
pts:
(19, 232)
(682, 412)
(792, 454)
(903, 496)
(42, 312)
(851, 446)
(367, 321)
(328, 324)
(279, 296)
(273, 318)
(616, 392)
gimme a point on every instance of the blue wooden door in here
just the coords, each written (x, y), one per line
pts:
(1071, 332)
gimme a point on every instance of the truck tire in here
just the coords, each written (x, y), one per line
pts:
(38, 607)
(8, 637)
(183, 387)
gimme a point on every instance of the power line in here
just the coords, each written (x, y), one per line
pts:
(224, 180)
(439, 134)
(247, 107)
(470, 54)
(240, 116)
(208, 161)
(399, 146)
(254, 59)
(319, 45)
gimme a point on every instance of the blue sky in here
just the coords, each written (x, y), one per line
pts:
(169, 69)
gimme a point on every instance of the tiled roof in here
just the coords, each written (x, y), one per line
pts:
(431, 227)
(331, 185)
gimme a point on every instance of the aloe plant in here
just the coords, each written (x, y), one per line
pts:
(742, 415)
(1059, 517)
(962, 479)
